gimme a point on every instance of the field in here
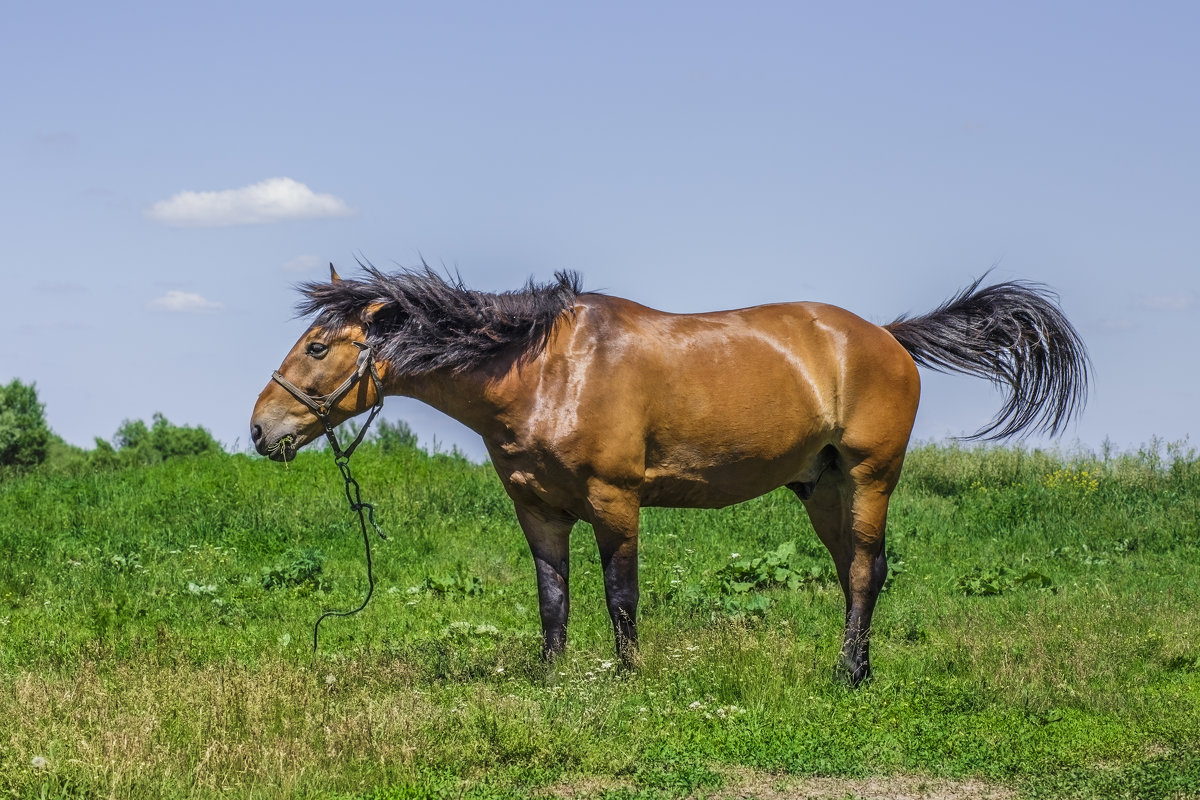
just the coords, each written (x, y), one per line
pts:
(1038, 638)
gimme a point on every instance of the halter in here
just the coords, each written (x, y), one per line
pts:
(322, 406)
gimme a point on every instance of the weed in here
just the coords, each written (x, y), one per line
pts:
(301, 569)
(982, 582)
(455, 582)
(737, 589)
(1079, 480)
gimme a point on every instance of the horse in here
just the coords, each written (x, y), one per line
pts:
(592, 407)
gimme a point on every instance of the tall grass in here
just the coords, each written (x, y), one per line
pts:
(1038, 637)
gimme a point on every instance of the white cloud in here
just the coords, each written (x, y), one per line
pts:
(272, 200)
(303, 264)
(1168, 302)
(183, 302)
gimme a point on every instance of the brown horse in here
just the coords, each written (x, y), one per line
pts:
(592, 407)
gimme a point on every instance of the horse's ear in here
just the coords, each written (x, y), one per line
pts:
(333, 276)
(370, 311)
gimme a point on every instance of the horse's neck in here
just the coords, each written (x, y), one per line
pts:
(476, 398)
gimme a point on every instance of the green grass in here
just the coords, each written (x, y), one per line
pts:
(1038, 638)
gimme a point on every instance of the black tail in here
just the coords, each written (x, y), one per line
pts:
(1015, 335)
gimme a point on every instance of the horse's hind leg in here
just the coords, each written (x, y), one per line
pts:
(848, 509)
(614, 516)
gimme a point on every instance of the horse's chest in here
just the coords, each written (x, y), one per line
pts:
(529, 481)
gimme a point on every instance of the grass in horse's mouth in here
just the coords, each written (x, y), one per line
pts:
(281, 446)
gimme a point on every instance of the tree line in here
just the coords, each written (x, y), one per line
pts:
(27, 442)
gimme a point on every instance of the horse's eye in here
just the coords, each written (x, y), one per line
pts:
(316, 349)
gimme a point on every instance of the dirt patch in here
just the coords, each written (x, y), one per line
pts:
(584, 788)
(752, 785)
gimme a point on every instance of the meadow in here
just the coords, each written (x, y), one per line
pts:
(1037, 638)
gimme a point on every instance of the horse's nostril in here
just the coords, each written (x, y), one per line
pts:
(255, 433)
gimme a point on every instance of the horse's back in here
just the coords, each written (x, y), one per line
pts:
(714, 408)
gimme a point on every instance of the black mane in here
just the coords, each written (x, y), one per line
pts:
(428, 322)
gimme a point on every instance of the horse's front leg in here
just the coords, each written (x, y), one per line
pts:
(615, 520)
(549, 533)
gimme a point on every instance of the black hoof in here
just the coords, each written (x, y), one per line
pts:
(850, 674)
(551, 652)
(629, 656)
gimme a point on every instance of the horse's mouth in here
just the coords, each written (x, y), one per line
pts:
(284, 448)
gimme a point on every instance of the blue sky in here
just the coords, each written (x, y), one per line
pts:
(690, 156)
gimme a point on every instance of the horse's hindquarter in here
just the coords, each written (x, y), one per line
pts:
(710, 409)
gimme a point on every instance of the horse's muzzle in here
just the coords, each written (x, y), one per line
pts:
(276, 448)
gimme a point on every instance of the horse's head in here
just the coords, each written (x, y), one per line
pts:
(327, 377)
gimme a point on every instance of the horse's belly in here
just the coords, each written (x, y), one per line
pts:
(717, 487)
(683, 493)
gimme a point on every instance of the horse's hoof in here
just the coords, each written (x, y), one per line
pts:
(851, 675)
(630, 658)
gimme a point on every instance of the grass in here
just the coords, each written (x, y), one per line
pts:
(1038, 639)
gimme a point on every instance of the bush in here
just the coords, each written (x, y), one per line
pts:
(134, 442)
(24, 436)
(393, 436)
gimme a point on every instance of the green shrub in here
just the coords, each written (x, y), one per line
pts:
(139, 444)
(24, 436)
(392, 436)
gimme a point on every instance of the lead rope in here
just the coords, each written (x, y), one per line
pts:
(366, 511)
(321, 407)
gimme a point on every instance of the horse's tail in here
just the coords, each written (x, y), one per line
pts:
(1015, 335)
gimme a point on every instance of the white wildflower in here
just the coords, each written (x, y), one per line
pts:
(39, 762)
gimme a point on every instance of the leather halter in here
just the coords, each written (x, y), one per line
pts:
(323, 405)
